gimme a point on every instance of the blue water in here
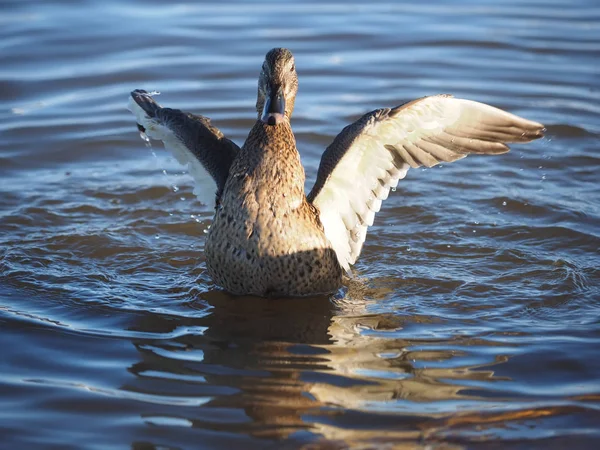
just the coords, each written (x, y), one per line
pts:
(473, 319)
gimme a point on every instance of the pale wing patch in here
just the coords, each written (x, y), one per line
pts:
(372, 155)
(445, 129)
(353, 194)
(205, 187)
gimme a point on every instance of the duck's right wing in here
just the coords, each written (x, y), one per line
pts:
(370, 156)
(192, 139)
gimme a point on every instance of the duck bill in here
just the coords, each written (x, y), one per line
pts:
(274, 109)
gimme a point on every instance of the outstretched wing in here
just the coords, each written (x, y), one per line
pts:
(192, 140)
(370, 156)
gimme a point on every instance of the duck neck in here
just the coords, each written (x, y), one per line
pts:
(271, 141)
(271, 153)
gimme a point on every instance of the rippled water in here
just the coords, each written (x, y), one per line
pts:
(473, 320)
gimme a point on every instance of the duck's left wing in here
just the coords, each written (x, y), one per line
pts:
(370, 156)
(192, 139)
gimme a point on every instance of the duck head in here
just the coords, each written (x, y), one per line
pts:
(277, 87)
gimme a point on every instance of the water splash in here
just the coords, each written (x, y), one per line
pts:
(144, 136)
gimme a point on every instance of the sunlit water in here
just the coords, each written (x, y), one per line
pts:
(473, 319)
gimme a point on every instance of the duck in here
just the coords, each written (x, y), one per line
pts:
(268, 237)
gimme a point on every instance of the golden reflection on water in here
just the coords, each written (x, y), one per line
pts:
(315, 364)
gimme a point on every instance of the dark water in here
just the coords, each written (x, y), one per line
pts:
(474, 320)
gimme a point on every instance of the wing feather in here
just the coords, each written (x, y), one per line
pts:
(369, 157)
(192, 139)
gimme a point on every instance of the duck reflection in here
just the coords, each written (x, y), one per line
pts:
(314, 364)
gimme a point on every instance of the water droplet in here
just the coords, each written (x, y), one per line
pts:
(146, 139)
(157, 237)
(175, 188)
(182, 198)
(393, 189)
(503, 203)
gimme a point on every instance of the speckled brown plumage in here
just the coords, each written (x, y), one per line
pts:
(266, 239)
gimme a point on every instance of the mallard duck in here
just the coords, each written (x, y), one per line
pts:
(268, 237)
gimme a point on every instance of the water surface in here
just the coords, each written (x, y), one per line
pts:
(473, 318)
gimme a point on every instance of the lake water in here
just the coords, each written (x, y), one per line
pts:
(474, 316)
